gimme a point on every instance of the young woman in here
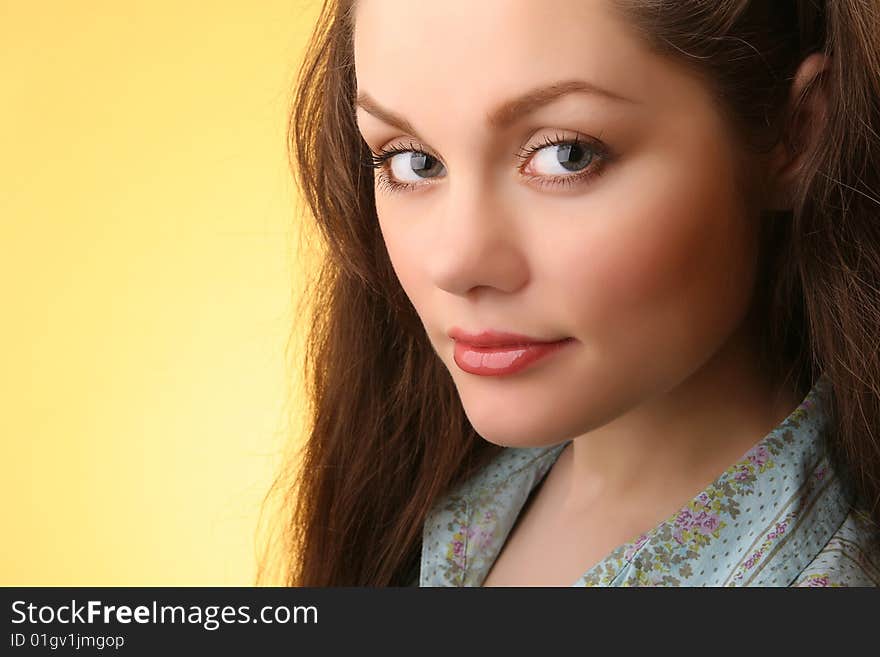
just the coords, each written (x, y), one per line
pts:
(601, 297)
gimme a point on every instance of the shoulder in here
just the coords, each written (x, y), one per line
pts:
(850, 558)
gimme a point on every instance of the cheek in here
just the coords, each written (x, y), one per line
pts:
(673, 263)
(404, 245)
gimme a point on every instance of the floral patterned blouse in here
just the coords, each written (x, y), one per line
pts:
(780, 516)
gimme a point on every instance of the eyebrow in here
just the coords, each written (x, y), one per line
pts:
(508, 112)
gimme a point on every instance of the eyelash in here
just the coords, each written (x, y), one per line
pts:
(379, 161)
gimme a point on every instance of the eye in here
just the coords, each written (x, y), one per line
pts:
(413, 166)
(562, 158)
(407, 167)
(561, 161)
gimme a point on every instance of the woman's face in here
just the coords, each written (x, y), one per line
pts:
(609, 218)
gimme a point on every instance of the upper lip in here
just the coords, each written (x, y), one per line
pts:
(492, 338)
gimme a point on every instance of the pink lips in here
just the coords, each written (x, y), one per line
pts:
(493, 353)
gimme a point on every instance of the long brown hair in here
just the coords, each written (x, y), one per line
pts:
(386, 433)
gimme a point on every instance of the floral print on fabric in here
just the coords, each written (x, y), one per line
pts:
(779, 516)
(850, 558)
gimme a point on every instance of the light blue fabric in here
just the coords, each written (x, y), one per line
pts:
(780, 516)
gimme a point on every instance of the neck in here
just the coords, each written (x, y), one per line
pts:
(659, 454)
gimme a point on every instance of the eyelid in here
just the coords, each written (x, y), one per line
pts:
(414, 147)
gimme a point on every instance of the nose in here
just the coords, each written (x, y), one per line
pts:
(477, 244)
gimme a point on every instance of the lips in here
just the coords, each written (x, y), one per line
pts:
(491, 338)
(495, 353)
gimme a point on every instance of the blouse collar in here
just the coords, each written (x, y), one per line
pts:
(758, 524)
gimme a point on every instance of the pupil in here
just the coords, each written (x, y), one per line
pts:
(573, 157)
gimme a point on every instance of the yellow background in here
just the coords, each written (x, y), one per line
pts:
(146, 269)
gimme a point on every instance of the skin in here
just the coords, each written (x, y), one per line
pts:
(650, 265)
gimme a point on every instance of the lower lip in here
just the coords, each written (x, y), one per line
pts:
(495, 361)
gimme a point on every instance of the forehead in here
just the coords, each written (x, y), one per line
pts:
(469, 55)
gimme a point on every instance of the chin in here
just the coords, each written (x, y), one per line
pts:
(516, 429)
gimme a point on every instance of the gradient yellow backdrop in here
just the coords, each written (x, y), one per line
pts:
(146, 217)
